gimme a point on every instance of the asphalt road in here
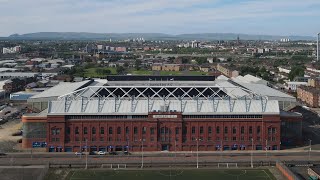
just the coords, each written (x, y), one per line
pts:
(168, 158)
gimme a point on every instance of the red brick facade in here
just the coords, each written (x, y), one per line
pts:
(159, 131)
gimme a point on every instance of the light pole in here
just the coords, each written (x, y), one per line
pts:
(309, 148)
(197, 153)
(141, 153)
(86, 153)
(251, 152)
(266, 148)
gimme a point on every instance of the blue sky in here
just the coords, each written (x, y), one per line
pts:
(274, 17)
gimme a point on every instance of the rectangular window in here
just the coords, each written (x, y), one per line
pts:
(234, 130)
(101, 139)
(152, 139)
(218, 130)
(226, 138)
(217, 138)
(193, 139)
(102, 130)
(110, 138)
(152, 130)
(274, 130)
(93, 139)
(209, 139)
(273, 138)
(135, 130)
(234, 138)
(209, 130)
(242, 138)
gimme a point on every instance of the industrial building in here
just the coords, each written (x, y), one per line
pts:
(162, 113)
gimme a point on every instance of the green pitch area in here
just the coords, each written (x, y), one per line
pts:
(226, 174)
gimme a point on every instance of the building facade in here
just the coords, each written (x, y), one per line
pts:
(161, 132)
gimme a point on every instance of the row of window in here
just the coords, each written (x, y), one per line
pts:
(165, 130)
(109, 117)
(168, 139)
(222, 116)
(184, 116)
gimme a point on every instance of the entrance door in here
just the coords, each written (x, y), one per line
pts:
(165, 147)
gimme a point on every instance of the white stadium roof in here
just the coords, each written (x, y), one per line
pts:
(188, 107)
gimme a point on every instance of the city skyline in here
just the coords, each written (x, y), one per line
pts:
(140, 16)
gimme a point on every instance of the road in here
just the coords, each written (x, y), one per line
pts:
(158, 158)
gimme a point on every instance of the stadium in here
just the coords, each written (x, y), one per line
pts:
(161, 113)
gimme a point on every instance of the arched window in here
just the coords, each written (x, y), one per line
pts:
(226, 130)
(209, 130)
(101, 130)
(152, 130)
(76, 130)
(201, 130)
(250, 130)
(85, 130)
(110, 130)
(258, 130)
(234, 130)
(144, 130)
(68, 130)
(218, 129)
(177, 130)
(93, 130)
(162, 130)
(119, 130)
(242, 130)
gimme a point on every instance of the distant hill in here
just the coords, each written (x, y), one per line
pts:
(147, 36)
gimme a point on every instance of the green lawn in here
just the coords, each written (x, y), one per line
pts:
(91, 72)
(167, 73)
(178, 174)
(141, 72)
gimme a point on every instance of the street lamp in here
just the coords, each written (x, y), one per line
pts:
(86, 153)
(141, 153)
(310, 148)
(197, 153)
(251, 152)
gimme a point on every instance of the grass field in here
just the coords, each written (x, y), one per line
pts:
(219, 174)
(91, 72)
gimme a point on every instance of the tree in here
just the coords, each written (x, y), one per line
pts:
(120, 70)
(138, 64)
(296, 71)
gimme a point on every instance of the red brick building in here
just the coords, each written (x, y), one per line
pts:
(203, 117)
(161, 131)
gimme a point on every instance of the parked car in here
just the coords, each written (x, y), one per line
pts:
(93, 153)
(79, 153)
(113, 153)
(126, 153)
(2, 154)
(102, 153)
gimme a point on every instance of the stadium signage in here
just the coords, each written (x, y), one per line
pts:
(165, 116)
